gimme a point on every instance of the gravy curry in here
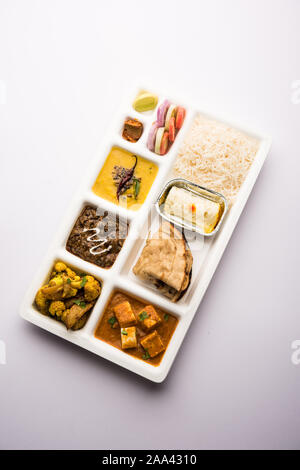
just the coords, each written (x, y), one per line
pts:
(153, 328)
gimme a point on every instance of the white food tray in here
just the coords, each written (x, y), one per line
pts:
(206, 252)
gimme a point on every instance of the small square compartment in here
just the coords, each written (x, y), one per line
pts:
(146, 112)
(109, 331)
(66, 288)
(117, 162)
(132, 129)
(162, 135)
(97, 236)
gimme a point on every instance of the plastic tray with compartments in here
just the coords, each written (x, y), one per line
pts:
(207, 251)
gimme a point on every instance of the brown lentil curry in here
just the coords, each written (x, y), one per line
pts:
(97, 236)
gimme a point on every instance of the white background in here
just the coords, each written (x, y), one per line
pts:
(65, 65)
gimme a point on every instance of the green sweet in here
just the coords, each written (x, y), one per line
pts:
(145, 101)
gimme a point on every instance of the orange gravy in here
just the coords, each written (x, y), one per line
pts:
(111, 334)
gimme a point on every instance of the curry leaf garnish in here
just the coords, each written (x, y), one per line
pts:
(146, 355)
(137, 187)
(143, 315)
(112, 321)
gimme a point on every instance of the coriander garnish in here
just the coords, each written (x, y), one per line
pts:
(83, 281)
(146, 355)
(80, 303)
(112, 321)
(166, 316)
(143, 315)
(69, 281)
(124, 332)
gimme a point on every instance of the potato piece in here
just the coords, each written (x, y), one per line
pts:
(124, 314)
(54, 290)
(128, 337)
(149, 318)
(153, 344)
(71, 316)
(81, 322)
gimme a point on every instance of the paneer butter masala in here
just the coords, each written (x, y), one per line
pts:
(137, 328)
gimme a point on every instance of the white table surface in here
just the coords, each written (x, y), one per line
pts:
(64, 66)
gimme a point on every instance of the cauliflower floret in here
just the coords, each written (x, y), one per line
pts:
(61, 286)
(69, 291)
(56, 280)
(57, 308)
(76, 282)
(63, 269)
(71, 274)
(92, 289)
(59, 267)
(41, 301)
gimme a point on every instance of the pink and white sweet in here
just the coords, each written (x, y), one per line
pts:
(164, 130)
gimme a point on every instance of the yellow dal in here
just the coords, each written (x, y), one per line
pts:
(106, 188)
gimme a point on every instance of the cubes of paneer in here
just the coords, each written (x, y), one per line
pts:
(124, 314)
(153, 344)
(149, 318)
(128, 337)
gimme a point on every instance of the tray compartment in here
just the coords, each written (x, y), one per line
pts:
(113, 168)
(77, 268)
(127, 117)
(167, 327)
(149, 113)
(97, 231)
(199, 247)
(178, 132)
